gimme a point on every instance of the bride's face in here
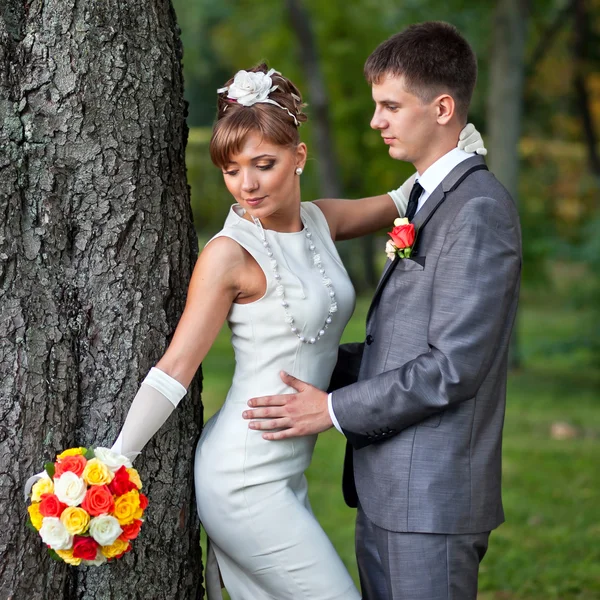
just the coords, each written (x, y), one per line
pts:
(262, 177)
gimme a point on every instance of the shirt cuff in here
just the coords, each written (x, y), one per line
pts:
(332, 414)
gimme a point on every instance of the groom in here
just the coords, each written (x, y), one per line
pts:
(421, 401)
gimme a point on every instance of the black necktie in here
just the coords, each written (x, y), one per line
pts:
(413, 200)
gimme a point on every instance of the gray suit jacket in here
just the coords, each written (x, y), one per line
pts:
(425, 414)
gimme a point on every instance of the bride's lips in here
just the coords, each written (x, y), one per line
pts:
(254, 201)
(388, 140)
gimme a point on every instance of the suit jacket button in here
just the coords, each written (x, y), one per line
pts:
(369, 340)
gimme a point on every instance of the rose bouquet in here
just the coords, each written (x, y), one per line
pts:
(87, 507)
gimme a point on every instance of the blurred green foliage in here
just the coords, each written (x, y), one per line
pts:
(557, 194)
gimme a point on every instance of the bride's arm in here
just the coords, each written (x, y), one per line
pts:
(349, 219)
(216, 282)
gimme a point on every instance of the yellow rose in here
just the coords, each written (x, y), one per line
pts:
(70, 452)
(96, 473)
(402, 221)
(35, 515)
(41, 486)
(127, 507)
(135, 478)
(67, 556)
(75, 519)
(118, 547)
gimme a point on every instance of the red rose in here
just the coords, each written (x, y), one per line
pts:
(131, 531)
(121, 483)
(403, 236)
(76, 464)
(85, 547)
(98, 500)
(143, 501)
(51, 506)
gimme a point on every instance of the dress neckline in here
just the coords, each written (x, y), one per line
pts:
(236, 213)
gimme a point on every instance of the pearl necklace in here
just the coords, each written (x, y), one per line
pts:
(280, 290)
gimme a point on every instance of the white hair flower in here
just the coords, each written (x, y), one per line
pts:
(250, 87)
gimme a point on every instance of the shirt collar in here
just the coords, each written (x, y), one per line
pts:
(437, 172)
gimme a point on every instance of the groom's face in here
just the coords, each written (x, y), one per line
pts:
(406, 123)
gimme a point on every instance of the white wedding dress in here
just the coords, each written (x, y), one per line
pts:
(252, 493)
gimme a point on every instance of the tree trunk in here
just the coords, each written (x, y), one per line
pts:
(505, 102)
(327, 164)
(96, 249)
(582, 97)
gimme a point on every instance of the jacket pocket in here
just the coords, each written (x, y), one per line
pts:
(416, 263)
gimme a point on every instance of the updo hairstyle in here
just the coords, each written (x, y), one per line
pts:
(235, 122)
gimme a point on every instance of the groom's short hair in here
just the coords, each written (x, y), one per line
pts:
(433, 57)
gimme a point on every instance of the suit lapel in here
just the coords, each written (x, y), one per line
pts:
(437, 197)
(428, 209)
(390, 265)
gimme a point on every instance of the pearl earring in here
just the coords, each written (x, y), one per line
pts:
(299, 171)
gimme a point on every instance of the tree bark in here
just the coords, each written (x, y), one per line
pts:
(505, 102)
(96, 249)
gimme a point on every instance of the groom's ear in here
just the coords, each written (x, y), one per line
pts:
(445, 108)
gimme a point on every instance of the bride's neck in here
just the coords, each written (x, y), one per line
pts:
(288, 222)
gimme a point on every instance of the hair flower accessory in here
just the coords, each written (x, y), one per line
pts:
(250, 88)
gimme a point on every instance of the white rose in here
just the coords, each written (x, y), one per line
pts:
(113, 460)
(105, 529)
(99, 560)
(70, 489)
(55, 534)
(390, 250)
(249, 88)
(401, 221)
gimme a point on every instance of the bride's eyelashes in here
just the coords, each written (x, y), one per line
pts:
(262, 167)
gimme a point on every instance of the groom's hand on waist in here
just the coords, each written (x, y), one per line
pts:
(293, 415)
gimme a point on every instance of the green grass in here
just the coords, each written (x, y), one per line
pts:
(549, 548)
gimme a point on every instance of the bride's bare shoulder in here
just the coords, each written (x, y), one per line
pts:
(223, 248)
(226, 264)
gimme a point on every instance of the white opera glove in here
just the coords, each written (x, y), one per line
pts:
(156, 399)
(470, 140)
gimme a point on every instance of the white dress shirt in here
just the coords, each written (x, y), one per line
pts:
(429, 180)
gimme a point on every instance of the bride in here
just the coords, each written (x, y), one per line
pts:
(273, 273)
